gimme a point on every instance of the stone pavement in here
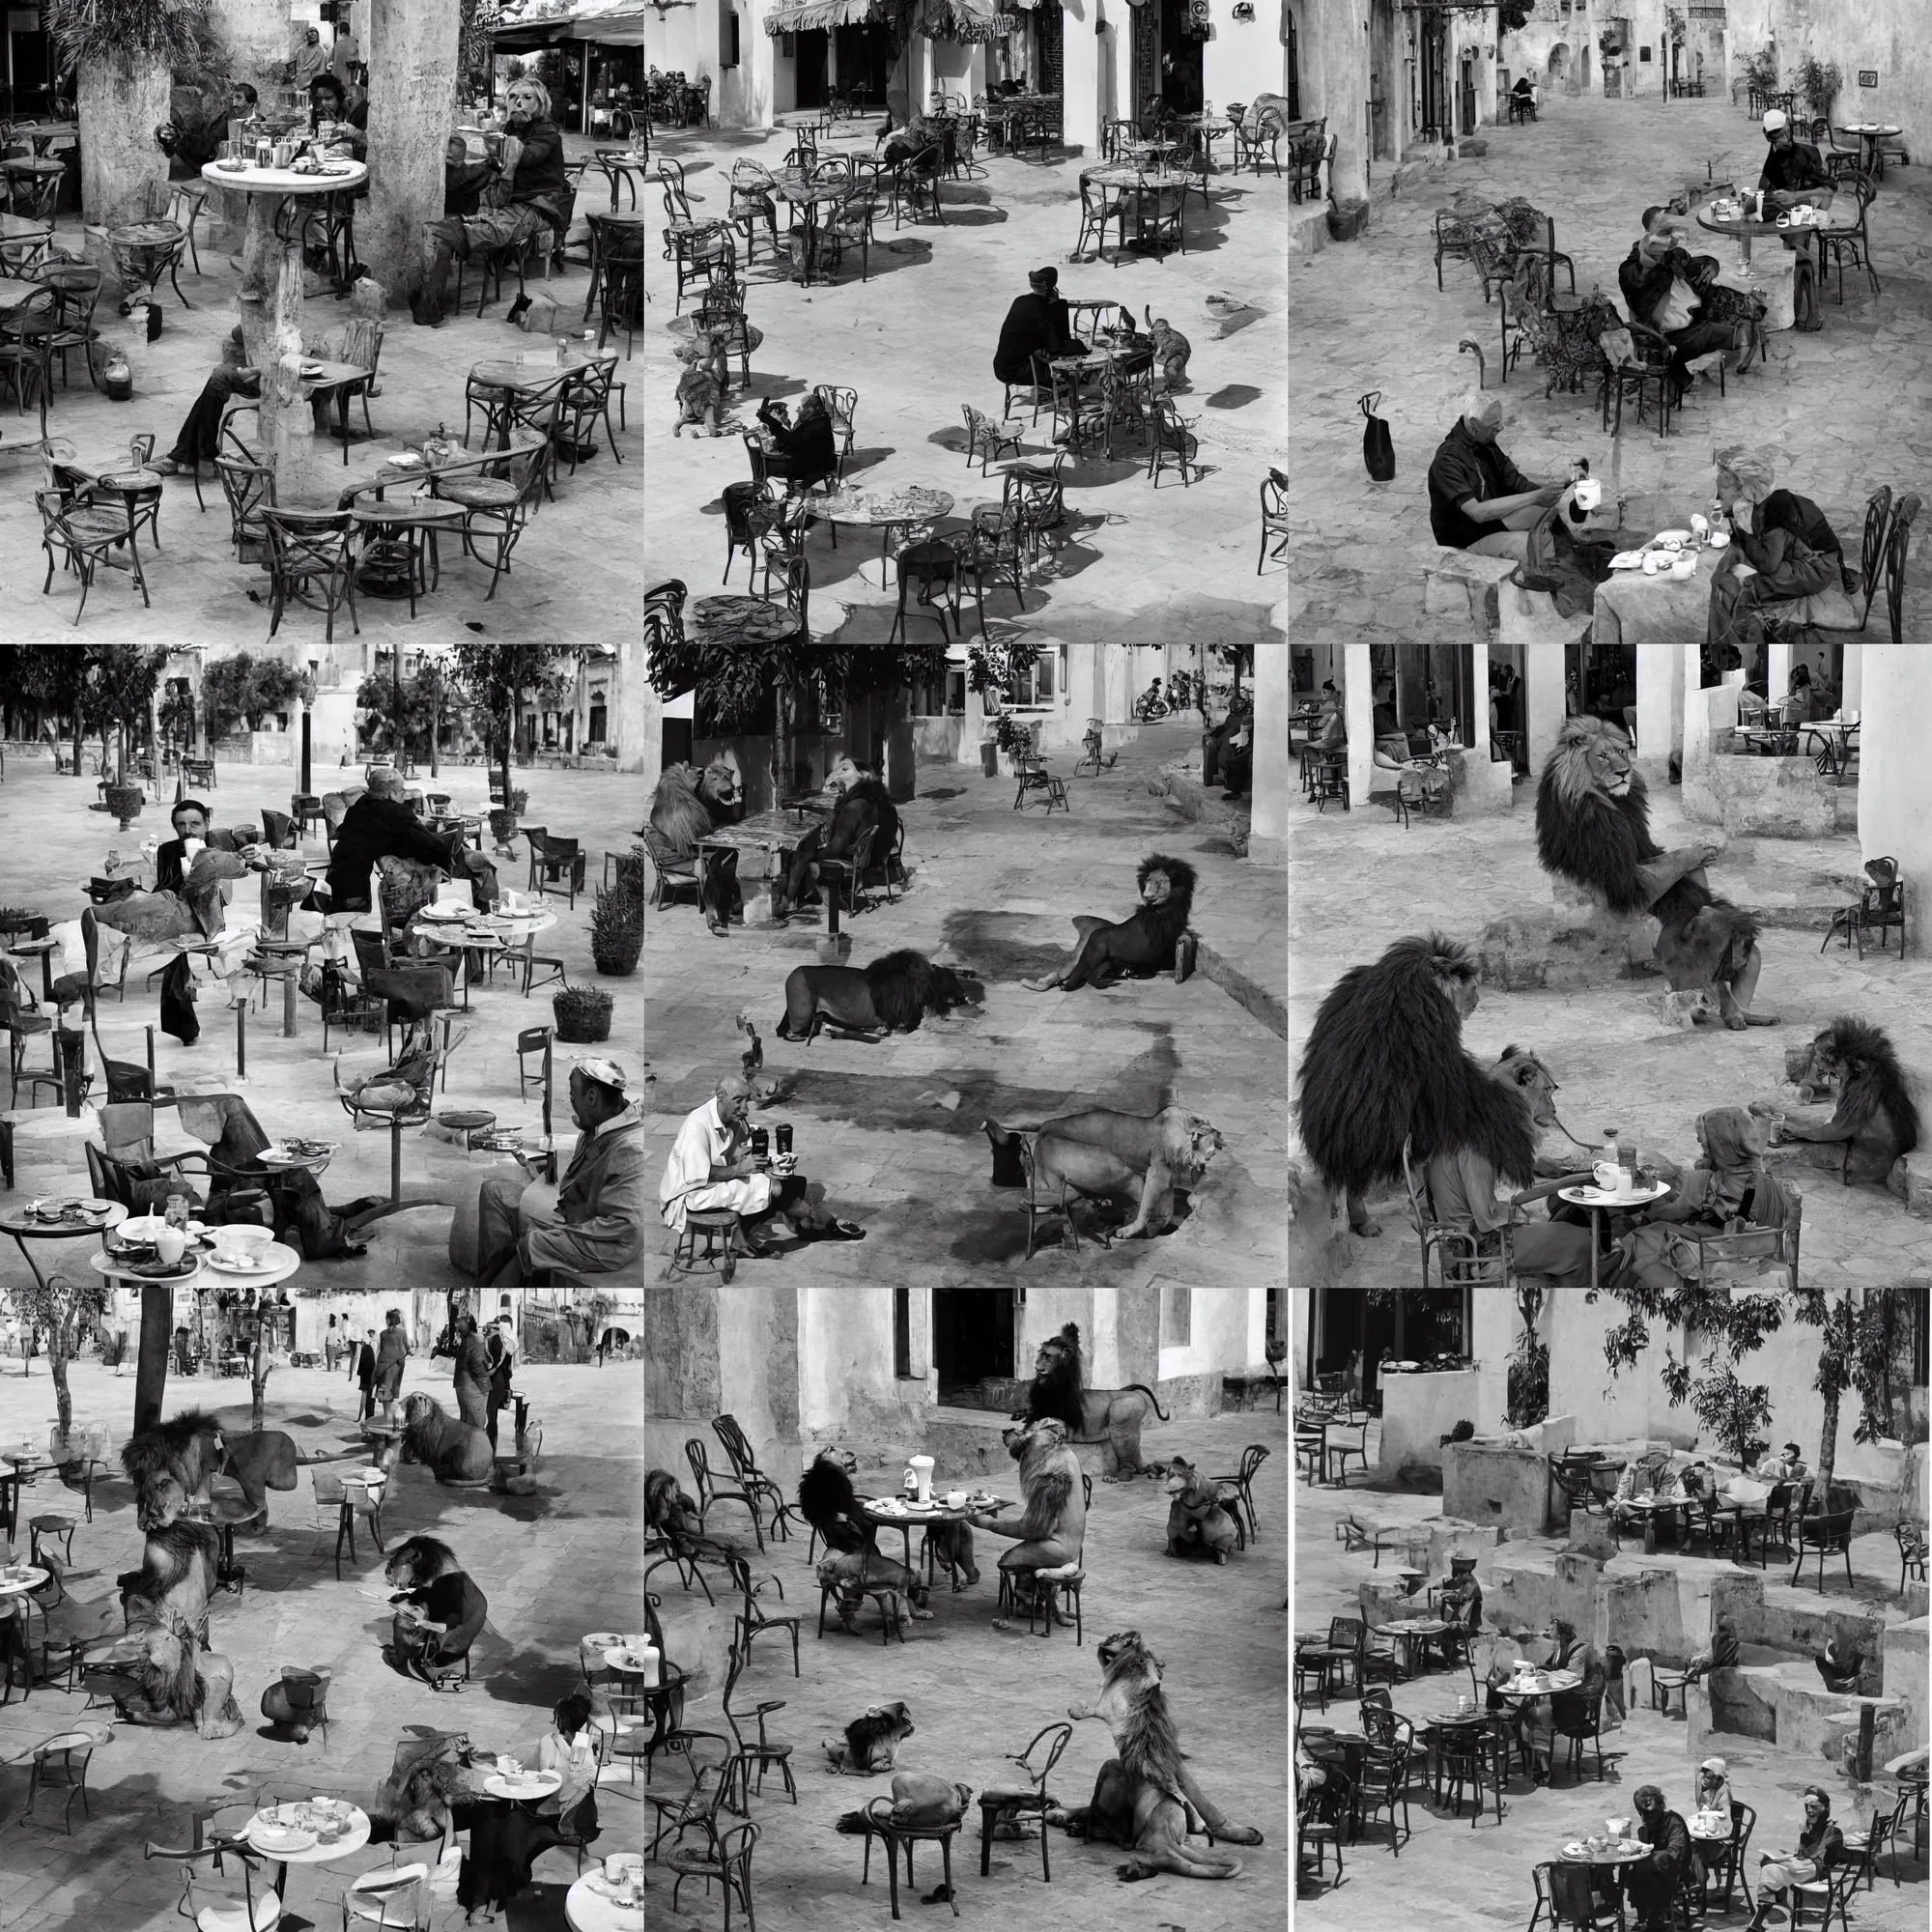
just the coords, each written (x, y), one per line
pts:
(572, 568)
(553, 1566)
(1218, 1632)
(1613, 1058)
(1472, 1878)
(917, 341)
(894, 1130)
(54, 842)
(1844, 408)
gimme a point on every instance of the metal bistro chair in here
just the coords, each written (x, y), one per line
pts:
(710, 1492)
(744, 1462)
(1855, 241)
(1879, 909)
(1821, 1536)
(1008, 1803)
(309, 557)
(555, 860)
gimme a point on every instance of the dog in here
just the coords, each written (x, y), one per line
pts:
(1171, 350)
(852, 1571)
(1103, 1153)
(702, 387)
(870, 1742)
(1197, 1524)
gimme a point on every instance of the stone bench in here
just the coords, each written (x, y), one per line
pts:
(1466, 586)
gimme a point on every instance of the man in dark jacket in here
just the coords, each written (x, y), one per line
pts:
(190, 818)
(1792, 169)
(362, 1369)
(1661, 282)
(534, 197)
(1478, 499)
(808, 450)
(1653, 1882)
(1037, 324)
(378, 824)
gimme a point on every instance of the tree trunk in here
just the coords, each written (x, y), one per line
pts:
(123, 174)
(63, 1398)
(151, 1371)
(435, 721)
(258, 1378)
(781, 770)
(1828, 1450)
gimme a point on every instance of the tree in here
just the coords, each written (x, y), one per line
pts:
(396, 728)
(125, 55)
(1528, 1361)
(118, 687)
(272, 687)
(52, 678)
(1856, 1331)
(1237, 658)
(62, 1307)
(224, 694)
(731, 679)
(495, 677)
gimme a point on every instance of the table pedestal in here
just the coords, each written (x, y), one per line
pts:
(270, 299)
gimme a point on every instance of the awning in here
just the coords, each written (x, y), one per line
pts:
(967, 24)
(621, 28)
(802, 17)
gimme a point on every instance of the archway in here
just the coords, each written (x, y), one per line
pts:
(1559, 61)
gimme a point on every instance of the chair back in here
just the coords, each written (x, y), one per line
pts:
(250, 491)
(1344, 1633)
(737, 1446)
(1897, 543)
(1570, 1896)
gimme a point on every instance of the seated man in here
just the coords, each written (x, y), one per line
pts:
(1721, 1654)
(328, 100)
(1661, 284)
(598, 1227)
(435, 1623)
(379, 824)
(198, 440)
(533, 195)
(1391, 754)
(1036, 326)
(707, 1171)
(1464, 1192)
(1524, 97)
(1793, 171)
(807, 449)
(1478, 499)
(191, 141)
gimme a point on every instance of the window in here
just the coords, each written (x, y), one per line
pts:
(941, 696)
(902, 1333)
(1036, 685)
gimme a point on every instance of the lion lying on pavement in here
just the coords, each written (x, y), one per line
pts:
(1144, 1799)
(1103, 1153)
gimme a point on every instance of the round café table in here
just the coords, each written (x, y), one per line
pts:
(1544, 1684)
(42, 133)
(508, 381)
(586, 1908)
(807, 197)
(23, 173)
(352, 1842)
(1408, 1632)
(271, 301)
(1600, 1201)
(397, 537)
(882, 510)
(14, 292)
(910, 1516)
(25, 1228)
(1871, 160)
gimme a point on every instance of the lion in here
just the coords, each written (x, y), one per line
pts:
(1146, 1799)
(1138, 945)
(1050, 1533)
(688, 805)
(919, 1801)
(1197, 1524)
(454, 1449)
(869, 1742)
(1593, 828)
(187, 1452)
(1875, 1120)
(1385, 1069)
(1114, 1417)
(864, 806)
(849, 1573)
(1101, 1152)
(825, 1499)
(893, 994)
(439, 1609)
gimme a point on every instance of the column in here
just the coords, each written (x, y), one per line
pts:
(1853, 685)
(638, 725)
(1268, 820)
(1660, 709)
(1335, 75)
(1359, 718)
(1488, 785)
(1543, 670)
(1776, 671)
(411, 56)
(1080, 70)
(1895, 781)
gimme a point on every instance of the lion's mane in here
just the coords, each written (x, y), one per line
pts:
(1048, 1473)
(1167, 921)
(1148, 1748)
(182, 1448)
(420, 1560)
(1060, 1391)
(904, 986)
(688, 804)
(1872, 1078)
(1384, 1063)
(830, 1504)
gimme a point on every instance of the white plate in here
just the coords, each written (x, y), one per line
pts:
(1576, 1849)
(277, 1839)
(238, 1267)
(1664, 539)
(1720, 539)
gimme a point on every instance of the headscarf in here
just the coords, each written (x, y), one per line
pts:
(1733, 1157)
(1752, 465)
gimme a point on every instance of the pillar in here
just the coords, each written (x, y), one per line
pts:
(271, 304)
(1850, 696)
(1776, 671)
(1117, 673)
(411, 56)
(1543, 708)
(1268, 802)
(1488, 785)
(1358, 719)
(1660, 709)
(1335, 73)
(1080, 63)
(123, 175)
(1895, 781)
(638, 727)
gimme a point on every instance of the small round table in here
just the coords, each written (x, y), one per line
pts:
(1871, 158)
(1408, 1632)
(1545, 1683)
(1599, 1202)
(282, 1162)
(588, 1908)
(1624, 1852)
(393, 552)
(25, 1228)
(883, 511)
(20, 1586)
(508, 378)
(922, 1516)
(352, 1842)
(807, 197)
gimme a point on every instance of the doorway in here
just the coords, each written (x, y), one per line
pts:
(1179, 58)
(1433, 109)
(1147, 60)
(809, 67)
(865, 61)
(1384, 80)
(972, 1335)
(1411, 1324)
(1465, 95)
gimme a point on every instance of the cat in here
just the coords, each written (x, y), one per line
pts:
(1171, 350)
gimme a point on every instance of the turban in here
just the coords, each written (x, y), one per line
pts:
(1775, 119)
(1753, 468)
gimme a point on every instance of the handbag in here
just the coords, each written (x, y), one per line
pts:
(1378, 448)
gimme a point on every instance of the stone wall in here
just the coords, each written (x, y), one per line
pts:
(1905, 1669)
(1496, 1483)
(1417, 1412)
(1783, 1621)
(1772, 798)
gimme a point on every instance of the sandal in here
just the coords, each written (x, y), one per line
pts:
(843, 1231)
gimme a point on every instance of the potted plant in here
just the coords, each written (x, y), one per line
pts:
(617, 918)
(1012, 738)
(582, 1013)
(125, 801)
(1820, 83)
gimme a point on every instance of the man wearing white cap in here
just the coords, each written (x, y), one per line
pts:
(598, 1224)
(1792, 168)
(1478, 499)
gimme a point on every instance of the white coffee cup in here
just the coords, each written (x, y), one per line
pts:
(1653, 563)
(1588, 491)
(170, 1244)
